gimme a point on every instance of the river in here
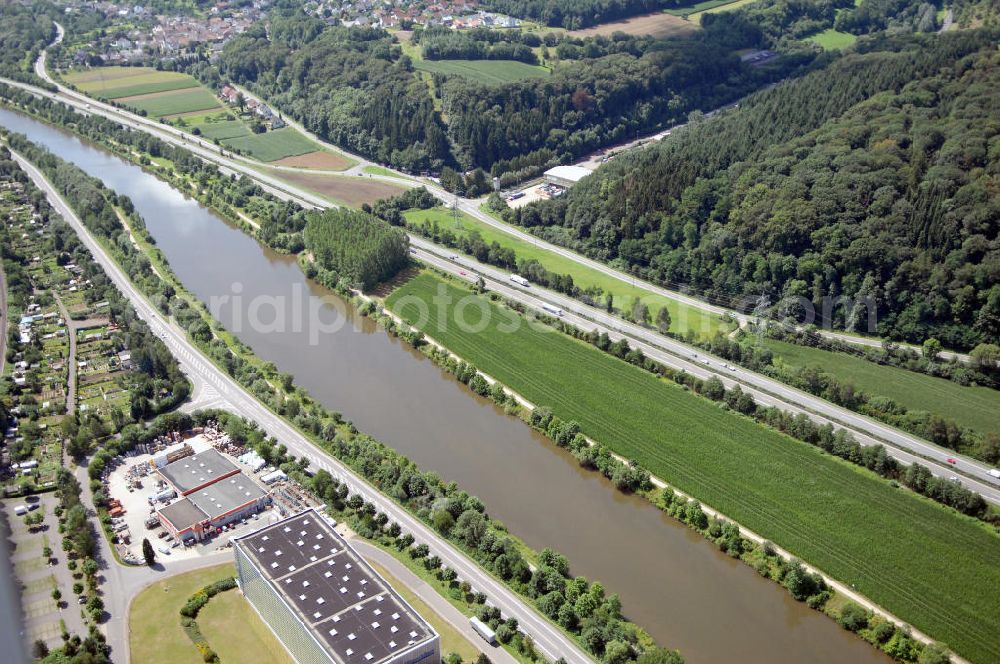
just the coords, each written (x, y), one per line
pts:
(671, 581)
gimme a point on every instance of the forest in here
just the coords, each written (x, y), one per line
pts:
(349, 85)
(356, 245)
(24, 30)
(873, 178)
(354, 87)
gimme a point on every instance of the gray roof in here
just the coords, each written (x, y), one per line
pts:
(226, 495)
(194, 471)
(348, 607)
(182, 514)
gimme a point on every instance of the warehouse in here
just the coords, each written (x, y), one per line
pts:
(566, 176)
(187, 475)
(202, 512)
(324, 602)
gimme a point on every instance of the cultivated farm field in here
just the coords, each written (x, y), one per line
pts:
(352, 191)
(173, 102)
(117, 82)
(974, 407)
(656, 24)
(925, 563)
(272, 145)
(486, 71)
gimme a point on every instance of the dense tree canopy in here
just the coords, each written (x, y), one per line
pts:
(891, 198)
(356, 245)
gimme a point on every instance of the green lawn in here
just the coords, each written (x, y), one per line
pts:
(227, 615)
(379, 170)
(975, 407)
(155, 633)
(115, 82)
(683, 317)
(180, 101)
(832, 40)
(921, 561)
(485, 71)
(273, 145)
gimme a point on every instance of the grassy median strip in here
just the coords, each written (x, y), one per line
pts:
(921, 561)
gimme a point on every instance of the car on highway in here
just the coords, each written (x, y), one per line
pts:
(951, 460)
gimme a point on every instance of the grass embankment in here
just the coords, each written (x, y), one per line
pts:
(919, 560)
(975, 407)
(683, 317)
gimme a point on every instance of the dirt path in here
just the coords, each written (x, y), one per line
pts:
(3, 318)
(71, 361)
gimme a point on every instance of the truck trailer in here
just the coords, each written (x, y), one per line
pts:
(483, 630)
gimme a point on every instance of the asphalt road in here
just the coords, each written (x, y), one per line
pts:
(208, 379)
(902, 446)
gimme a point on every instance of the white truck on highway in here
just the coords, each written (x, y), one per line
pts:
(993, 472)
(521, 281)
(483, 630)
(552, 309)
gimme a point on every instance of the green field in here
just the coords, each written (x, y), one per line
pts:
(224, 130)
(974, 407)
(227, 615)
(682, 316)
(273, 145)
(485, 71)
(179, 101)
(154, 624)
(919, 560)
(116, 82)
(832, 40)
(706, 6)
(380, 170)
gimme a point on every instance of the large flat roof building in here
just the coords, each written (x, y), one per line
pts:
(325, 603)
(214, 506)
(566, 176)
(194, 472)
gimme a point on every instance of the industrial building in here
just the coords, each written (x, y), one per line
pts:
(190, 473)
(200, 513)
(566, 176)
(214, 493)
(323, 601)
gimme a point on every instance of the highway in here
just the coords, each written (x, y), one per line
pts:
(902, 446)
(226, 393)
